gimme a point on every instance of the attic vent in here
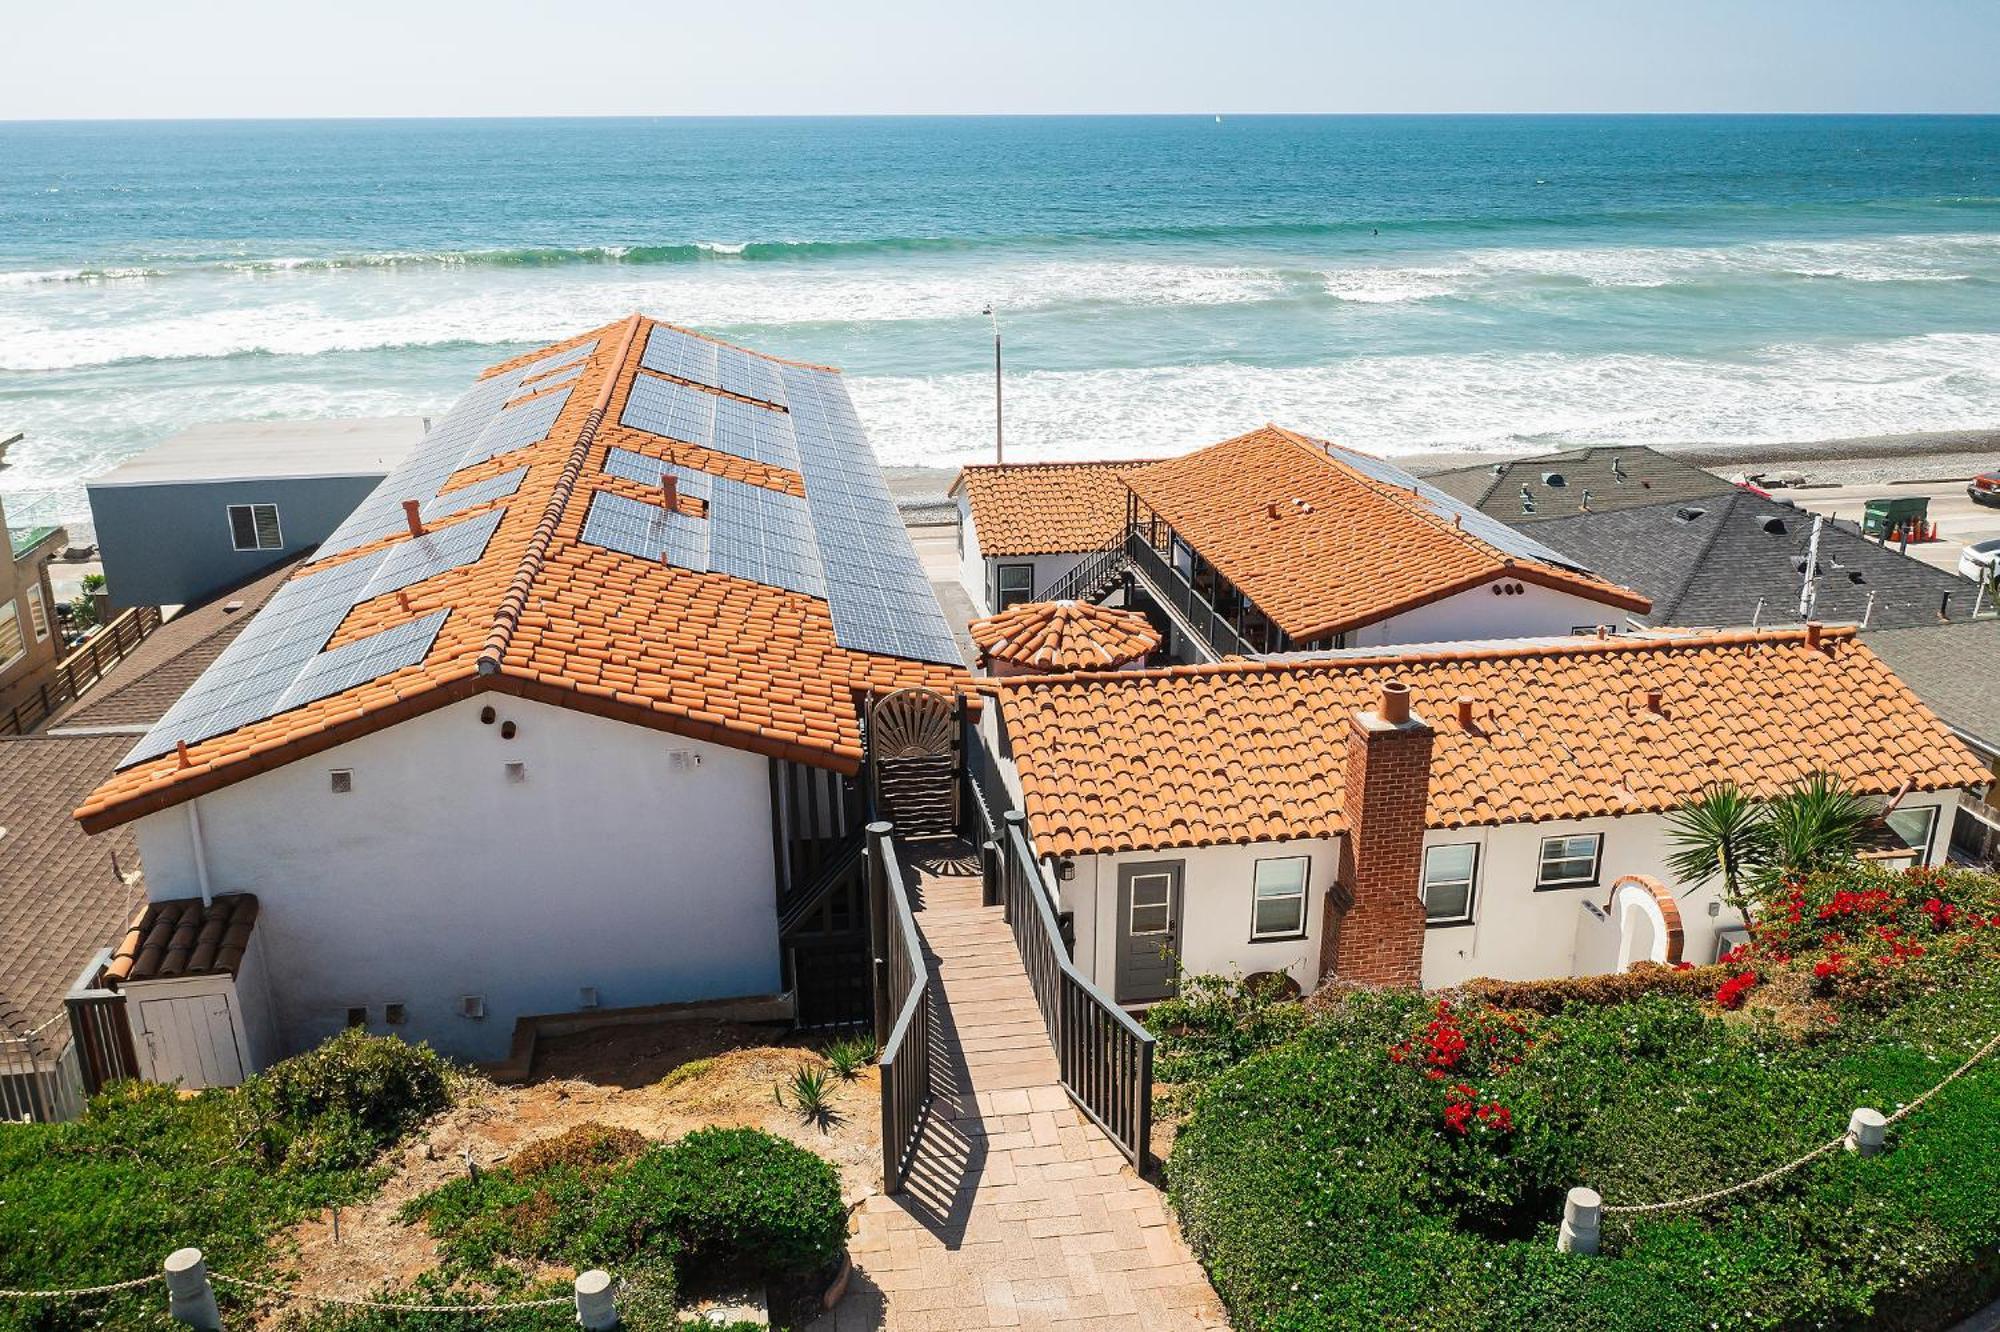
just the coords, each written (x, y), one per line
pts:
(1687, 513)
(342, 780)
(1554, 479)
(1774, 525)
(472, 1005)
(1854, 576)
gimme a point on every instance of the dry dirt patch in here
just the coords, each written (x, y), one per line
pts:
(662, 1081)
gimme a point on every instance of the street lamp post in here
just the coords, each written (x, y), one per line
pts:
(999, 437)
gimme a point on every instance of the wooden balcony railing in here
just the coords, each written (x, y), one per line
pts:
(75, 674)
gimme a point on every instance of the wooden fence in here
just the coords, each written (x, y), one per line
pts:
(76, 673)
(903, 1001)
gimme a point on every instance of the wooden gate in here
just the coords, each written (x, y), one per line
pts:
(914, 761)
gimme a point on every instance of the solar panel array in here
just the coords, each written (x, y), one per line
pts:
(467, 497)
(277, 662)
(846, 543)
(759, 535)
(646, 531)
(1487, 528)
(442, 452)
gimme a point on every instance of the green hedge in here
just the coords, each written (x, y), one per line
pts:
(717, 1202)
(147, 1170)
(1397, 1164)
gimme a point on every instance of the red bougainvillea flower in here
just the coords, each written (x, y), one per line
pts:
(1831, 965)
(1736, 989)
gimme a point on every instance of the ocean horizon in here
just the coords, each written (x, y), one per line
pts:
(1405, 284)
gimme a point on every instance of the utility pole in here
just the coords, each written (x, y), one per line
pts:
(999, 437)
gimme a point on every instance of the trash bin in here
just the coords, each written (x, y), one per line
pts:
(1905, 512)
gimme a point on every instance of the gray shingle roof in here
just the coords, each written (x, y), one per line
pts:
(1709, 561)
(1616, 477)
(1955, 668)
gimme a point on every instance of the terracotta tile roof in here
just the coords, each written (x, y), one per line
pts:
(1321, 546)
(139, 689)
(1064, 636)
(1252, 751)
(184, 938)
(1045, 508)
(545, 615)
(60, 899)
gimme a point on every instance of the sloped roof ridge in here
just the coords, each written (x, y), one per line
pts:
(507, 615)
(1671, 603)
(1391, 656)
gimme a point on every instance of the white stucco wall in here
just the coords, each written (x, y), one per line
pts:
(980, 575)
(1479, 613)
(1215, 913)
(611, 865)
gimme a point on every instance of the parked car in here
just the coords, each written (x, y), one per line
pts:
(1985, 488)
(1980, 561)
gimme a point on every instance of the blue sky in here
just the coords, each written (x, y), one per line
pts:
(118, 58)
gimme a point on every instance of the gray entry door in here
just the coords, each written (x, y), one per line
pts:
(1149, 930)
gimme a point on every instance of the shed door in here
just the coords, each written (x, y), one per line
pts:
(191, 1040)
(1149, 928)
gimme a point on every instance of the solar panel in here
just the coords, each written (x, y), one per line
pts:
(875, 588)
(479, 492)
(647, 471)
(433, 553)
(516, 427)
(740, 429)
(646, 531)
(363, 660)
(764, 536)
(672, 352)
(1487, 528)
(552, 378)
(739, 371)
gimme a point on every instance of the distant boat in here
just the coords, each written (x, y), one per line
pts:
(1218, 120)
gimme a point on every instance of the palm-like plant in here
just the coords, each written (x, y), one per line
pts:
(1815, 823)
(1722, 832)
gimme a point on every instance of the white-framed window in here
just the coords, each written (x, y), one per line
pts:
(13, 643)
(1152, 909)
(1450, 873)
(1571, 861)
(38, 612)
(1916, 825)
(1017, 584)
(255, 527)
(1278, 898)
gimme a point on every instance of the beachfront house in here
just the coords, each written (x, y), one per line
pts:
(1424, 817)
(30, 639)
(1275, 542)
(1024, 527)
(222, 500)
(564, 718)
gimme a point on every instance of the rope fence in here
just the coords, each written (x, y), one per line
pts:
(1866, 1135)
(191, 1295)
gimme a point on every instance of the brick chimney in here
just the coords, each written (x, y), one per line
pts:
(1380, 939)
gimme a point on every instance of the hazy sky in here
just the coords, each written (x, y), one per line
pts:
(117, 58)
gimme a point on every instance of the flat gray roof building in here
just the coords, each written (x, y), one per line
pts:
(210, 506)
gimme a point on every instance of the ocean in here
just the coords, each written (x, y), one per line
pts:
(1400, 283)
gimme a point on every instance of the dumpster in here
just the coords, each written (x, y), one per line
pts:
(1905, 513)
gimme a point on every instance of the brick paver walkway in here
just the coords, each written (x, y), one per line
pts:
(1019, 1212)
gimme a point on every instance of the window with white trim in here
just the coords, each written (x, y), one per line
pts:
(13, 644)
(38, 612)
(1278, 898)
(1449, 876)
(1571, 861)
(1916, 825)
(1017, 584)
(255, 527)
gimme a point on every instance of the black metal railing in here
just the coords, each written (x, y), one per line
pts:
(1093, 578)
(1105, 1057)
(1182, 600)
(902, 1007)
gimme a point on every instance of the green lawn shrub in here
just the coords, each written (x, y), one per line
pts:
(147, 1170)
(1399, 1161)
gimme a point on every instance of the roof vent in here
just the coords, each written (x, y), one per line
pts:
(1854, 576)
(1499, 469)
(472, 1005)
(1555, 480)
(1774, 525)
(1617, 469)
(1687, 513)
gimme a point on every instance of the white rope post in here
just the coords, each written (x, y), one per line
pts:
(596, 1302)
(190, 1299)
(1582, 1211)
(1867, 1131)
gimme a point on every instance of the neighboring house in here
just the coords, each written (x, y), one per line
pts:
(1023, 526)
(1040, 636)
(1597, 479)
(1490, 809)
(30, 638)
(1953, 668)
(63, 893)
(1275, 542)
(564, 717)
(1708, 553)
(215, 503)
